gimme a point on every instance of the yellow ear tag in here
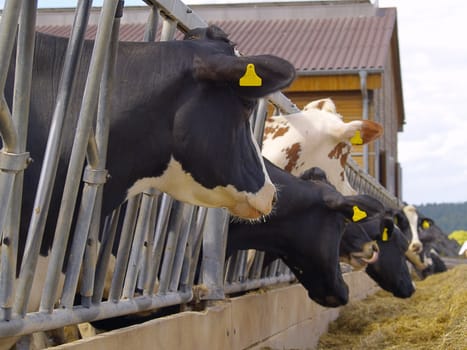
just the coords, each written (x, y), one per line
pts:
(250, 78)
(357, 139)
(425, 224)
(384, 235)
(358, 214)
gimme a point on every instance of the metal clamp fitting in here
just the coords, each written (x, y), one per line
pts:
(95, 176)
(14, 162)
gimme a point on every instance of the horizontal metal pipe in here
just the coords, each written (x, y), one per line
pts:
(43, 321)
(338, 72)
(254, 284)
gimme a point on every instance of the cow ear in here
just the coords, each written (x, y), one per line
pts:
(426, 223)
(370, 131)
(251, 77)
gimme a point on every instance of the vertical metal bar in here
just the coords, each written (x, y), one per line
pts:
(214, 244)
(365, 102)
(230, 268)
(102, 137)
(159, 241)
(168, 29)
(152, 24)
(274, 267)
(123, 254)
(49, 168)
(83, 224)
(142, 231)
(260, 120)
(8, 30)
(148, 247)
(89, 263)
(186, 228)
(174, 226)
(255, 271)
(78, 153)
(22, 91)
(186, 282)
(105, 252)
(239, 274)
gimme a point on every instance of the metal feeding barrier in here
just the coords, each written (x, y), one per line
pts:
(165, 247)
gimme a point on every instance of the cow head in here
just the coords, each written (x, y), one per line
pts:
(390, 271)
(305, 230)
(316, 136)
(428, 230)
(312, 253)
(411, 231)
(215, 160)
(357, 248)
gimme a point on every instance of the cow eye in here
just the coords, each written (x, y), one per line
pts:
(249, 106)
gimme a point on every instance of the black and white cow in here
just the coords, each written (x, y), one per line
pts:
(179, 123)
(390, 271)
(434, 242)
(304, 230)
(357, 248)
(384, 246)
(411, 231)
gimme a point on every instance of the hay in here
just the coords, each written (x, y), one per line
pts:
(435, 317)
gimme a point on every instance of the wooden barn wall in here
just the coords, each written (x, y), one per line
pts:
(348, 104)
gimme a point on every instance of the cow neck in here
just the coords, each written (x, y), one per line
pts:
(261, 236)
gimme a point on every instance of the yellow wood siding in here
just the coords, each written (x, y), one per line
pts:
(333, 83)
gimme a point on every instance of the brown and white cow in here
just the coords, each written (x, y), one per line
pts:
(317, 136)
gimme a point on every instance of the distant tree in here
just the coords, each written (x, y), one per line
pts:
(448, 216)
(460, 236)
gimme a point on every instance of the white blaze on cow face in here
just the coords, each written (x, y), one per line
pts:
(182, 186)
(411, 213)
(316, 137)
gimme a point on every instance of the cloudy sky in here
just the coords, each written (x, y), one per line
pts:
(433, 145)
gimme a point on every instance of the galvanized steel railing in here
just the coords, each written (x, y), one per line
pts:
(365, 184)
(160, 239)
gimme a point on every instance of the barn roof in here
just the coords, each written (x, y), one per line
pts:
(319, 44)
(314, 45)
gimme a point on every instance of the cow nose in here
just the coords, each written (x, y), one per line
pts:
(416, 247)
(375, 247)
(262, 201)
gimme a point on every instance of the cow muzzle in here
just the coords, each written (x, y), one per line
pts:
(416, 247)
(415, 260)
(368, 255)
(256, 205)
(331, 300)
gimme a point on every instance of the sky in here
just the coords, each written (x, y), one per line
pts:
(433, 145)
